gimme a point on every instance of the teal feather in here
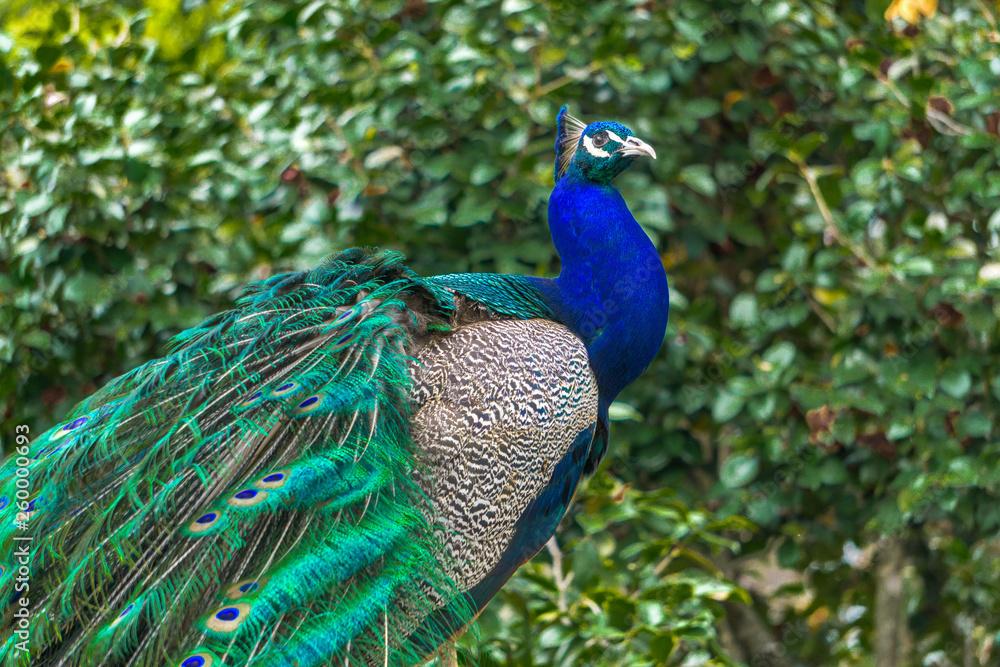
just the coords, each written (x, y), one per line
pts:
(345, 467)
(514, 296)
(172, 459)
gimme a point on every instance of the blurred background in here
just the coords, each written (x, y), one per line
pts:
(807, 475)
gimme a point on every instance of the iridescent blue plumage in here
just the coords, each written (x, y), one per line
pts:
(612, 291)
(349, 464)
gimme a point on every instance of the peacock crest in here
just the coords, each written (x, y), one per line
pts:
(568, 132)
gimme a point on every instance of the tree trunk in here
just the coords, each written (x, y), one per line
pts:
(893, 641)
(746, 636)
(754, 642)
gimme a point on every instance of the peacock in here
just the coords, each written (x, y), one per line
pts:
(345, 467)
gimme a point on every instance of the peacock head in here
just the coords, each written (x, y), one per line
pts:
(598, 152)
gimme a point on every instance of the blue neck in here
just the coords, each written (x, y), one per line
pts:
(612, 291)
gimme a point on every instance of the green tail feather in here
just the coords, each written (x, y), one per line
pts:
(249, 498)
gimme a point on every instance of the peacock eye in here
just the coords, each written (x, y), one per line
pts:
(600, 139)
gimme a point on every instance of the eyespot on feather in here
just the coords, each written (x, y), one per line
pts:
(70, 427)
(123, 615)
(273, 480)
(310, 404)
(205, 522)
(199, 658)
(247, 498)
(245, 587)
(250, 400)
(345, 317)
(343, 341)
(284, 389)
(46, 452)
(227, 619)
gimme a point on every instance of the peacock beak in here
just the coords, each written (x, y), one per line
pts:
(634, 146)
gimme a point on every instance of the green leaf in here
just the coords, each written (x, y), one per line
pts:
(699, 178)
(661, 647)
(619, 411)
(780, 356)
(726, 406)
(832, 472)
(956, 382)
(739, 470)
(743, 310)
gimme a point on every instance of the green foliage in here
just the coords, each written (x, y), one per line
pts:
(826, 202)
(629, 586)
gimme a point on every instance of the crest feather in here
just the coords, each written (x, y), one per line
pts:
(568, 131)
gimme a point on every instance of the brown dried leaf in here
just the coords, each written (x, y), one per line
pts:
(783, 103)
(821, 419)
(993, 123)
(878, 443)
(941, 104)
(764, 78)
(947, 316)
